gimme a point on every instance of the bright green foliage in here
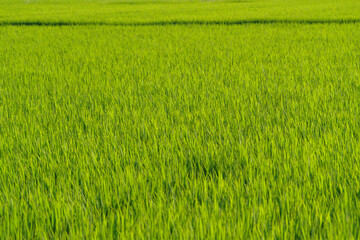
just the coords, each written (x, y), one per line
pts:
(146, 11)
(179, 130)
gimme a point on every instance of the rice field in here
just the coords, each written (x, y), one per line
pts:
(179, 119)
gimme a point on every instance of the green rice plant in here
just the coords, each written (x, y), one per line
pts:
(182, 130)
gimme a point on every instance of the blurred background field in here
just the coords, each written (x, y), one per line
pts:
(111, 11)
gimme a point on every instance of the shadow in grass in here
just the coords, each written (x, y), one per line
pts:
(180, 22)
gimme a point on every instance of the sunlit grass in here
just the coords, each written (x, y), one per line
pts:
(179, 131)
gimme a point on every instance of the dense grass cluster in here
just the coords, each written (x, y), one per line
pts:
(177, 130)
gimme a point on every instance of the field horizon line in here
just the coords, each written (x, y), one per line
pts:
(181, 22)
